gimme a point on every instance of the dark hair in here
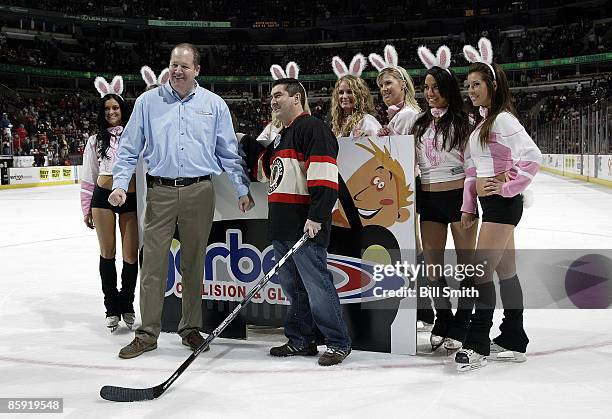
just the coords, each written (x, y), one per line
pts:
(454, 123)
(103, 138)
(194, 50)
(501, 98)
(293, 87)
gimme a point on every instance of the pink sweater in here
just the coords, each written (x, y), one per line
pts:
(510, 150)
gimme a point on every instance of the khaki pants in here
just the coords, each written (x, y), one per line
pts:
(193, 207)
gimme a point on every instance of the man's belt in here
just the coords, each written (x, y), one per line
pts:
(178, 182)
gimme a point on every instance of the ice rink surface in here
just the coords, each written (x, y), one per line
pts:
(53, 342)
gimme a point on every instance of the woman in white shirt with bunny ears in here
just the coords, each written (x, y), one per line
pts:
(441, 134)
(352, 107)
(397, 90)
(501, 160)
(99, 158)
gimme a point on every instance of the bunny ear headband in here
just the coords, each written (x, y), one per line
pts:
(442, 58)
(292, 71)
(149, 76)
(390, 60)
(485, 56)
(358, 64)
(115, 87)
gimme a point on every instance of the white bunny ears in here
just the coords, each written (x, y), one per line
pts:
(358, 64)
(442, 58)
(292, 71)
(485, 56)
(115, 86)
(390, 60)
(149, 76)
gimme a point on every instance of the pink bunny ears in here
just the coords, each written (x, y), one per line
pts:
(390, 60)
(149, 76)
(358, 64)
(292, 71)
(485, 56)
(115, 87)
(442, 58)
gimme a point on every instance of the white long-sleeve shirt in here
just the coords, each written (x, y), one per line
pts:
(437, 164)
(403, 121)
(367, 127)
(509, 150)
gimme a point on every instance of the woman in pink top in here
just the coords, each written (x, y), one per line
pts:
(501, 160)
(96, 183)
(441, 134)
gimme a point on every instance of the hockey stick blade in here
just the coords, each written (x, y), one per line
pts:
(125, 394)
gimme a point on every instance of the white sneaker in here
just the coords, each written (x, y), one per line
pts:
(499, 353)
(467, 360)
(451, 344)
(423, 326)
(129, 319)
(112, 322)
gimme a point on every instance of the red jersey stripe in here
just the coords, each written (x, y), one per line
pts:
(289, 154)
(326, 183)
(289, 198)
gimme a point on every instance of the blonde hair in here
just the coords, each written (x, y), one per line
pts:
(364, 104)
(402, 75)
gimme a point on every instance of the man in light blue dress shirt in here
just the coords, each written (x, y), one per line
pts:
(185, 134)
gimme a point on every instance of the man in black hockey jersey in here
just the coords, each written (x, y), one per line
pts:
(301, 167)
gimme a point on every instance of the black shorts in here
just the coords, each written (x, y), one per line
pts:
(100, 200)
(441, 207)
(497, 209)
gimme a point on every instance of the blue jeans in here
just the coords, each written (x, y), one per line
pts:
(309, 285)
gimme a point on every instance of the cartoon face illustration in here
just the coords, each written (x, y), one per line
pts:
(379, 191)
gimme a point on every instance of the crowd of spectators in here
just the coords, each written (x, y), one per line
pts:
(297, 12)
(245, 57)
(55, 126)
(562, 103)
(58, 127)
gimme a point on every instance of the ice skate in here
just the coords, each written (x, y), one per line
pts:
(452, 345)
(128, 319)
(112, 322)
(468, 359)
(499, 353)
(436, 341)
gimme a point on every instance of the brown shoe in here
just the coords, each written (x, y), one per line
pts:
(135, 348)
(194, 339)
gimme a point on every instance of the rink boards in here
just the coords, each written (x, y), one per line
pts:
(590, 168)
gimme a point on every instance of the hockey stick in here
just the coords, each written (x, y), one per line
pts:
(125, 394)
